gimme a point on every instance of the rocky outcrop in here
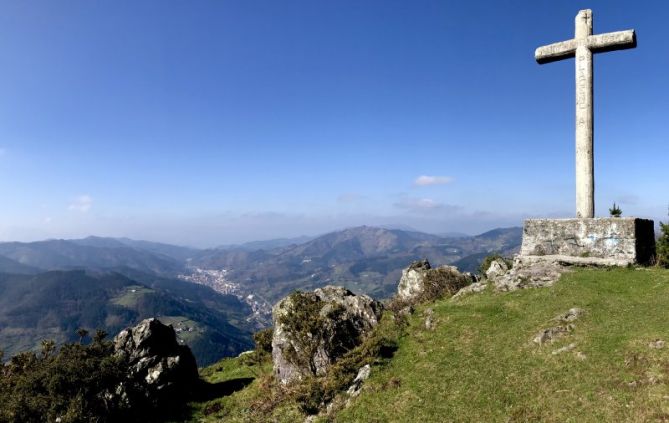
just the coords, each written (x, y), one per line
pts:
(411, 283)
(497, 268)
(420, 280)
(313, 329)
(159, 369)
(525, 273)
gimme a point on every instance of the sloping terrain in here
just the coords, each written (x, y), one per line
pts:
(8, 265)
(88, 253)
(479, 362)
(364, 259)
(53, 305)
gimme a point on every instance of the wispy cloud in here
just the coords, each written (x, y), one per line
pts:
(628, 199)
(82, 204)
(426, 180)
(418, 204)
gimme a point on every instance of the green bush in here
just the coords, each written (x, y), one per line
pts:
(442, 282)
(662, 246)
(263, 340)
(615, 211)
(75, 384)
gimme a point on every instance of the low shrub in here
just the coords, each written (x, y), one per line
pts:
(662, 246)
(263, 340)
(442, 282)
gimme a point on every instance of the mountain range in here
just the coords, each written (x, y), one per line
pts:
(50, 288)
(364, 259)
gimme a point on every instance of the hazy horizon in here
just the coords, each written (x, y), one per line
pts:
(243, 240)
(217, 122)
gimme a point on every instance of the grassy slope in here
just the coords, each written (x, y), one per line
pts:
(479, 364)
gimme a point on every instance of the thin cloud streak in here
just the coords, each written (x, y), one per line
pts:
(426, 180)
(82, 204)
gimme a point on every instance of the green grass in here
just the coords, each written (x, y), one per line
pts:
(131, 296)
(480, 365)
(241, 405)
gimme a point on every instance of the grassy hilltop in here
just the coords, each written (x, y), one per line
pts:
(479, 363)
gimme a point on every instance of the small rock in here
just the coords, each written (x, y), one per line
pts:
(363, 375)
(471, 289)
(548, 335)
(571, 315)
(429, 319)
(580, 356)
(657, 344)
(406, 311)
(564, 349)
(652, 379)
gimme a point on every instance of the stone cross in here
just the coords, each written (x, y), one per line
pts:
(582, 46)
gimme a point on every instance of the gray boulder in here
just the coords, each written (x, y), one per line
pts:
(529, 272)
(497, 267)
(420, 278)
(313, 329)
(412, 282)
(159, 369)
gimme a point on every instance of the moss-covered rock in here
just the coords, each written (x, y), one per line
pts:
(313, 329)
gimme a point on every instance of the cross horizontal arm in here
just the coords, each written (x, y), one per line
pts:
(611, 41)
(600, 43)
(556, 51)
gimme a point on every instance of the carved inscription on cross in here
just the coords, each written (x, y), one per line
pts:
(582, 46)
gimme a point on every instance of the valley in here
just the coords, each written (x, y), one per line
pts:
(215, 298)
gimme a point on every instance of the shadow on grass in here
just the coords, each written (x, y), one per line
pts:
(209, 391)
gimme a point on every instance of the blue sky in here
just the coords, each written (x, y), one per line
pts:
(212, 122)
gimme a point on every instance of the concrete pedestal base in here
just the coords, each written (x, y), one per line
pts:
(611, 241)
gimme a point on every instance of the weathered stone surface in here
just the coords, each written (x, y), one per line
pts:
(550, 334)
(657, 344)
(344, 319)
(532, 273)
(497, 268)
(622, 240)
(471, 289)
(411, 283)
(564, 349)
(571, 315)
(429, 319)
(363, 375)
(582, 46)
(159, 368)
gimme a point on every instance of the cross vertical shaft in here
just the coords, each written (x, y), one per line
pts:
(582, 47)
(585, 169)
